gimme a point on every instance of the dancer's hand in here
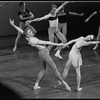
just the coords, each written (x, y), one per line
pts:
(29, 21)
(64, 46)
(87, 20)
(11, 22)
(82, 14)
(61, 44)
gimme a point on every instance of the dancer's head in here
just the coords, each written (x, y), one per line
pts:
(89, 37)
(22, 5)
(28, 32)
(53, 8)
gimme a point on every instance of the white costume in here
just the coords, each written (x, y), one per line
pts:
(75, 55)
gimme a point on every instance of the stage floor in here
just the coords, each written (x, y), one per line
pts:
(18, 71)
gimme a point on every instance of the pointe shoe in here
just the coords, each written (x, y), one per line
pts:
(14, 49)
(95, 48)
(36, 87)
(79, 89)
(67, 87)
(57, 55)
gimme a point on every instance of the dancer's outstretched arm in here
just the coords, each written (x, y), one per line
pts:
(37, 41)
(91, 16)
(74, 13)
(89, 43)
(16, 27)
(50, 43)
(70, 42)
(62, 5)
(39, 19)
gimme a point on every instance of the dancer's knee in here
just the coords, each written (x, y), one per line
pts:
(64, 41)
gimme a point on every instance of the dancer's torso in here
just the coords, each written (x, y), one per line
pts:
(24, 14)
(53, 21)
(62, 17)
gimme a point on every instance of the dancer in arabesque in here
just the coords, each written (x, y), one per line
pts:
(43, 54)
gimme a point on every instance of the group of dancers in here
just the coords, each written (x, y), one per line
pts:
(74, 57)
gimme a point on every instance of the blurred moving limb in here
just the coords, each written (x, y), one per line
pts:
(94, 13)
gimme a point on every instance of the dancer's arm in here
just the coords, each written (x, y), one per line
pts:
(62, 5)
(39, 19)
(36, 41)
(16, 27)
(27, 18)
(31, 15)
(49, 43)
(89, 43)
(70, 42)
(91, 16)
(74, 13)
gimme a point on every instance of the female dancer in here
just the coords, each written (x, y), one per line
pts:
(75, 58)
(53, 29)
(43, 53)
(62, 25)
(24, 15)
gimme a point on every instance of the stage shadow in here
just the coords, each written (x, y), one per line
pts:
(8, 93)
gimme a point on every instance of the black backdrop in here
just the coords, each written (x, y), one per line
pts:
(76, 25)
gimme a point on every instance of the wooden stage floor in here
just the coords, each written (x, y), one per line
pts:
(18, 72)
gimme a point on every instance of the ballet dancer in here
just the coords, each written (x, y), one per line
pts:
(98, 36)
(74, 58)
(24, 15)
(53, 28)
(62, 25)
(43, 54)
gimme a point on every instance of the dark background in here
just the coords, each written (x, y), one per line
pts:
(76, 25)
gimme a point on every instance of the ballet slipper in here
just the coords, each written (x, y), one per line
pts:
(95, 48)
(14, 49)
(36, 87)
(67, 87)
(57, 55)
(79, 89)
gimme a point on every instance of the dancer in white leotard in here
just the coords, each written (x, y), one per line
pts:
(43, 54)
(75, 58)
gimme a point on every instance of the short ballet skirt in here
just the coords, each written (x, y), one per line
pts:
(75, 57)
